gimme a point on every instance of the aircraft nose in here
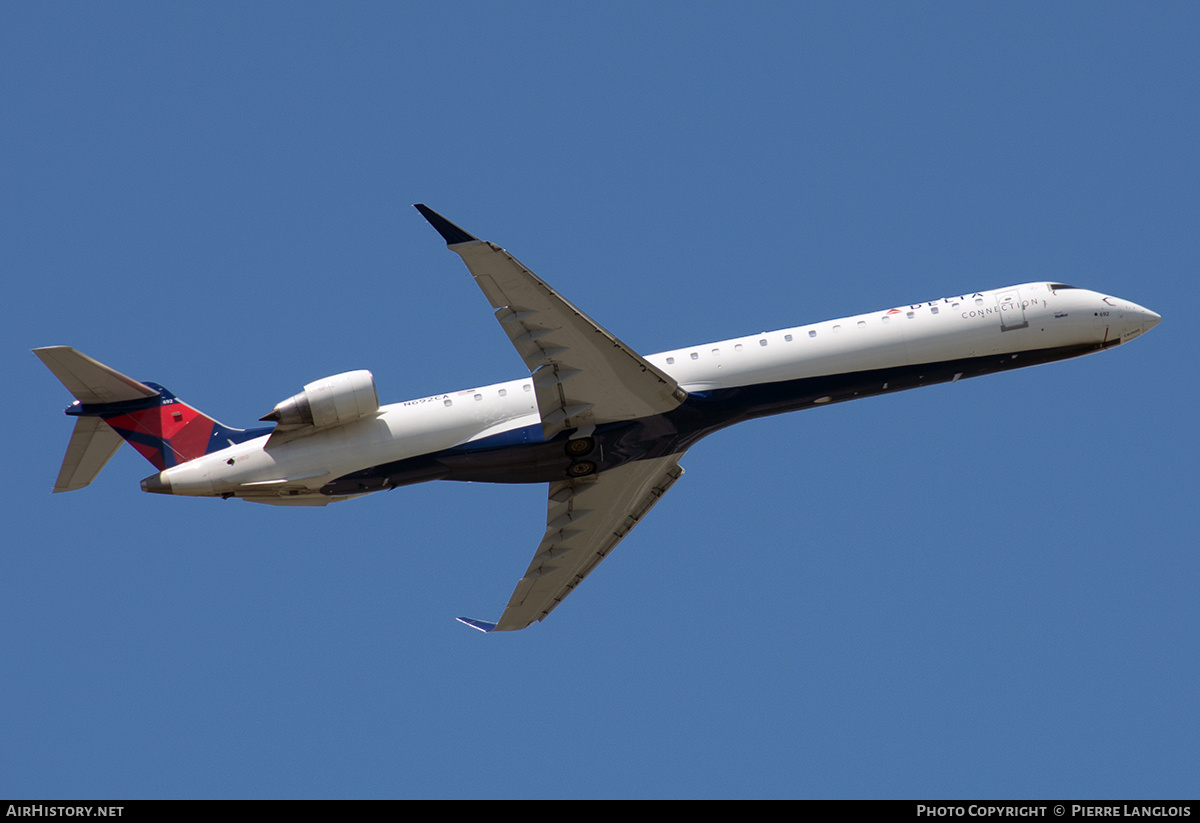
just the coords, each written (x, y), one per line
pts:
(1143, 317)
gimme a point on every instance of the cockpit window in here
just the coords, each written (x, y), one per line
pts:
(1060, 286)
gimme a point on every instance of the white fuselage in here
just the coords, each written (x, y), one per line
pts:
(1033, 317)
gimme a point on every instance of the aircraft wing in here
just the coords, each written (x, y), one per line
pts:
(585, 520)
(582, 374)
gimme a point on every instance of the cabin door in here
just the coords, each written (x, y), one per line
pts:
(1012, 313)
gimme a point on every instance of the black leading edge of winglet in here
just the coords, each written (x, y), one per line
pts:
(450, 233)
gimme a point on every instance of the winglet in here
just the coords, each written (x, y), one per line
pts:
(481, 625)
(451, 233)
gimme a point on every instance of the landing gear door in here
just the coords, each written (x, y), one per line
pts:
(1012, 312)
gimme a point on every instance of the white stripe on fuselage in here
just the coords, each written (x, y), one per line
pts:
(946, 329)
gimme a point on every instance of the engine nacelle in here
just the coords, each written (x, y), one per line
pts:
(331, 401)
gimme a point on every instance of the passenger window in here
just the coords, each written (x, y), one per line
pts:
(911, 315)
(788, 338)
(862, 324)
(716, 352)
(504, 392)
(812, 333)
(695, 356)
(837, 328)
(526, 387)
(737, 347)
(479, 397)
(762, 342)
(933, 309)
(448, 403)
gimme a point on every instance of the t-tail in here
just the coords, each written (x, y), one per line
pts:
(110, 407)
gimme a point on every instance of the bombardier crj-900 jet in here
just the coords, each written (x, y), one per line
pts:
(602, 425)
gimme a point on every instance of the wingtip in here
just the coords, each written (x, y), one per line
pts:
(478, 625)
(451, 233)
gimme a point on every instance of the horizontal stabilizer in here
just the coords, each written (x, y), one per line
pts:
(481, 625)
(93, 443)
(91, 382)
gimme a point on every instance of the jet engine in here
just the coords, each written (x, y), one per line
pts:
(331, 401)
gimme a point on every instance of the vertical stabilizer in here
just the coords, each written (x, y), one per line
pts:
(110, 407)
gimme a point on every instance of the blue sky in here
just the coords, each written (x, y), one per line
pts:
(979, 590)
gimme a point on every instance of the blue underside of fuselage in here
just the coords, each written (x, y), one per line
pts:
(524, 456)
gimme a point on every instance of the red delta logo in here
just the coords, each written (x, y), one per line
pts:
(166, 435)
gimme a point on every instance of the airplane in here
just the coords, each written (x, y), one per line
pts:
(601, 425)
